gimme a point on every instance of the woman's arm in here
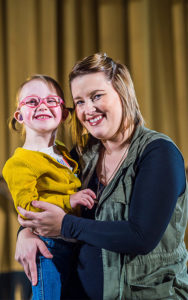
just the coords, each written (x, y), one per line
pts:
(159, 182)
(45, 223)
(27, 247)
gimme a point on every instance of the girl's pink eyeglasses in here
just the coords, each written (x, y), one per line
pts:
(35, 101)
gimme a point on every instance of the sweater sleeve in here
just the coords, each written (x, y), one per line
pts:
(22, 183)
(159, 181)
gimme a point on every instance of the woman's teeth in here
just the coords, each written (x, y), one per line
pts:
(95, 119)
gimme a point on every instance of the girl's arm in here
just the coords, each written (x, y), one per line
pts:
(22, 182)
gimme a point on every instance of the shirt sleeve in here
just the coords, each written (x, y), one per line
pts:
(159, 181)
(22, 183)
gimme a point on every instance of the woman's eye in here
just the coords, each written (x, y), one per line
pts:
(79, 102)
(97, 97)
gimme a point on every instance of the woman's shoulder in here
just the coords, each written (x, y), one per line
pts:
(163, 152)
(144, 138)
(147, 135)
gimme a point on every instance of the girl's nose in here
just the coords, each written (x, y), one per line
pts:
(42, 106)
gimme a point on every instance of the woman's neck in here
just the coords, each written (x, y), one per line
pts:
(112, 155)
(119, 142)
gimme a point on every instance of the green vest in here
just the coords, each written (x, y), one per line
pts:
(161, 274)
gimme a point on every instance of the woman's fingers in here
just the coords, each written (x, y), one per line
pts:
(45, 206)
(26, 223)
(26, 250)
(47, 222)
(30, 269)
(28, 214)
(42, 249)
(27, 247)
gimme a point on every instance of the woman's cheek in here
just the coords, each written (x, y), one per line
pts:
(79, 114)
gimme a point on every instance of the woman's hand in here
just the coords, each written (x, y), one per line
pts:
(46, 223)
(27, 247)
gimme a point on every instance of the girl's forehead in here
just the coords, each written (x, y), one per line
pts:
(37, 87)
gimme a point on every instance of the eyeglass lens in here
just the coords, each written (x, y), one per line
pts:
(49, 101)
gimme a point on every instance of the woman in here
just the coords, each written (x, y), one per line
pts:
(131, 242)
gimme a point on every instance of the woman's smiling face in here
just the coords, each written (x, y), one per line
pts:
(97, 104)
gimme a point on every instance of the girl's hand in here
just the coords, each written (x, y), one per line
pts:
(45, 223)
(84, 197)
(27, 247)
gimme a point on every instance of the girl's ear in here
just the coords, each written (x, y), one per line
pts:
(18, 117)
(65, 114)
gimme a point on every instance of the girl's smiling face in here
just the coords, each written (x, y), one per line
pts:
(42, 118)
(98, 106)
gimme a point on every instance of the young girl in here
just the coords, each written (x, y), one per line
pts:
(43, 170)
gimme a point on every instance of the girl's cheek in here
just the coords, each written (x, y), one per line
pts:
(58, 113)
(28, 114)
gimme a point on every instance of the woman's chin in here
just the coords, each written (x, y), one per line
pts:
(99, 136)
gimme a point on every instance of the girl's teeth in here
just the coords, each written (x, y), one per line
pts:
(42, 117)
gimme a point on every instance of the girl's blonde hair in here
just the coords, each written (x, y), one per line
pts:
(121, 81)
(52, 83)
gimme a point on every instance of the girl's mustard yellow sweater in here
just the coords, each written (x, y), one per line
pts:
(33, 175)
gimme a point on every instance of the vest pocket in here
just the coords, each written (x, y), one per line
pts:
(121, 199)
(153, 287)
(155, 281)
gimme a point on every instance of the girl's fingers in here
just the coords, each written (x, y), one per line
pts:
(88, 198)
(86, 203)
(90, 193)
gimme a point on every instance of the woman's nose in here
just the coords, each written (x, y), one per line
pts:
(89, 107)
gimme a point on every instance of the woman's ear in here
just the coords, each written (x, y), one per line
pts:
(65, 114)
(18, 117)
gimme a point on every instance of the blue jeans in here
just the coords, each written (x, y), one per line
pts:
(53, 273)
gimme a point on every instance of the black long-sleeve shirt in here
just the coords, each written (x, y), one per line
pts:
(159, 181)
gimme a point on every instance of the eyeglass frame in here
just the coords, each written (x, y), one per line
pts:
(41, 100)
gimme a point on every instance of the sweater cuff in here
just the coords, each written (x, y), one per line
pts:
(66, 204)
(71, 226)
(20, 229)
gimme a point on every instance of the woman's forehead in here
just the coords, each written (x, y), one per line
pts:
(89, 82)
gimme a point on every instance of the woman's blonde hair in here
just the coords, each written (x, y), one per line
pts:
(52, 83)
(121, 81)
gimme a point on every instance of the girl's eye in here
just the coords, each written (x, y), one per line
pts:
(52, 100)
(32, 102)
